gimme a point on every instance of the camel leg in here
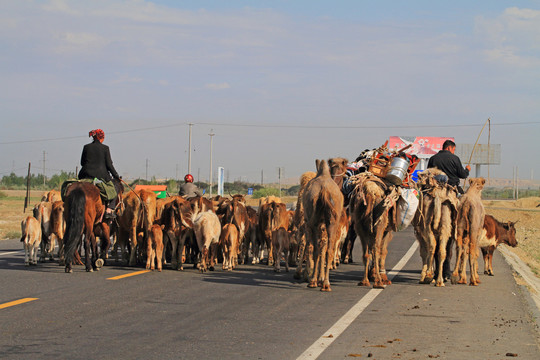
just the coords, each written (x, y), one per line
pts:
(384, 252)
(473, 260)
(459, 259)
(366, 258)
(442, 256)
(300, 257)
(464, 261)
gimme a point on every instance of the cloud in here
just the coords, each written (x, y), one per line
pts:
(512, 38)
(221, 86)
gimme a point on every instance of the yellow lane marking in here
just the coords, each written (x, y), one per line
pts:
(128, 275)
(16, 302)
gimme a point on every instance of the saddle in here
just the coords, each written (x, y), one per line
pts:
(107, 190)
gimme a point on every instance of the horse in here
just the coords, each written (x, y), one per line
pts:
(83, 212)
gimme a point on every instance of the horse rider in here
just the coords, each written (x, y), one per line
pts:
(188, 189)
(97, 165)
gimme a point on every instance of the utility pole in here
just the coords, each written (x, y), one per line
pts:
(262, 177)
(189, 151)
(211, 145)
(44, 168)
(176, 172)
(279, 181)
(146, 170)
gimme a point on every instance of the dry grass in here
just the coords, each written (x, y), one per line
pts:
(11, 211)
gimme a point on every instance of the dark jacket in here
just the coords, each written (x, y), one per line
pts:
(189, 190)
(450, 163)
(96, 162)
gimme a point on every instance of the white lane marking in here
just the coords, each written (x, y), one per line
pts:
(11, 252)
(339, 327)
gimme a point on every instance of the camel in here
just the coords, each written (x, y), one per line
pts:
(373, 213)
(323, 205)
(470, 223)
(298, 223)
(434, 223)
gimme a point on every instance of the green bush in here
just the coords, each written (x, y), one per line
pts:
(257, 194)
(2, 194)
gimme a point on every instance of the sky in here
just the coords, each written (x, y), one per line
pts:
(279, 83)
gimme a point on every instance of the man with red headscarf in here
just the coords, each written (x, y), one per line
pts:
(97, 164)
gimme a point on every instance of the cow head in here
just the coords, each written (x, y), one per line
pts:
(511, 231)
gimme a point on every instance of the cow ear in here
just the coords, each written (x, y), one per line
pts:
(317, 163)
(483, 181)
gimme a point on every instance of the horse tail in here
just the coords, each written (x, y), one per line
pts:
(76, 202)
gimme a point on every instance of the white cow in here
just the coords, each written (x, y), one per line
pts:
(207, 230)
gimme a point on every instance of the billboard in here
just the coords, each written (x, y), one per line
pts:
(221, 180)
(422, 146)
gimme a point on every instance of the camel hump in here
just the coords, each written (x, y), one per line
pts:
(322, 167)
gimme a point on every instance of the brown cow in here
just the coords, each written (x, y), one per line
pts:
(373, 210)
(59, 227)
(493, 234)
(154, 247)
(470, 223)
(323, 206)
(31, 238)
(280, 244)
(42, 212)
(228, 241)
(272, 215)
(52, 196)
(137, 215)
(176, 218)
(234, 212)
(252, 237)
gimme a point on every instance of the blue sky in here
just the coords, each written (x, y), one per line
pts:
(280, 83)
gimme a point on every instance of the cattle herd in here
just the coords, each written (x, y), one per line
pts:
(315, 237)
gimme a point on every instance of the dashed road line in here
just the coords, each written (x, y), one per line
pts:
(342, 324)
(11, 252)
(128, 275)
(16, 302)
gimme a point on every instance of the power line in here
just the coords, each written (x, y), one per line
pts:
(338, 127)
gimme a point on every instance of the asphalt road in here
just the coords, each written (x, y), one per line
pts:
(254, 313)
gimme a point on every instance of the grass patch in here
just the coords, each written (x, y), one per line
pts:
(11, 212)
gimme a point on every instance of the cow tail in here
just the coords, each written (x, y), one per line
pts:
(74, 223)
(24, 232)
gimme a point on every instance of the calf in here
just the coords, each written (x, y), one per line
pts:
(493, 234)
(31, 237)
(280, 244)
(154, 247)
(43, 212)
(229, 240)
